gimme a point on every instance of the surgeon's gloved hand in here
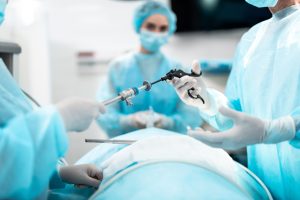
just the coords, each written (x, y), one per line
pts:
(182, 85)
(136, 120)
(78, 113)
(247, 130)
(212, 98)
(86, 175)
(163, 122)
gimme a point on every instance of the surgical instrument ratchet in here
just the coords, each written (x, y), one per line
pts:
(179, 74)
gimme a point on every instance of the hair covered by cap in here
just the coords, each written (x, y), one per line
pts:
(151, 8)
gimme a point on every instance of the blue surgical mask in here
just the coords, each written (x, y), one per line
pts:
(153, 41)
(3, 4)
(262, 3)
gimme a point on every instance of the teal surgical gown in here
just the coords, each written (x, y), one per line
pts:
(265, 83)
(131, 70)
(31, 142)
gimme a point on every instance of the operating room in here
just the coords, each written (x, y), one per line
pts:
(150, 99)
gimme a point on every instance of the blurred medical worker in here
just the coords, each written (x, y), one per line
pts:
(263, 93)
(155, 23)
(32, 140)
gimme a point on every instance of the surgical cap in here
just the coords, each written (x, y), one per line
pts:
(151, 8)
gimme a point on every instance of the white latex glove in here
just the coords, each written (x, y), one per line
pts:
(143, 119)
(136, 120)
(78, 113)
(162, 121)
(81, 175)
(247, 130)
(182, 85)
(151, 117)
(211, 101)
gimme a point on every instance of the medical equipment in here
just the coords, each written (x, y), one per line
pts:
(213, 98)
(128, 94)
(111, 141)
(179, 74)
(34, 101)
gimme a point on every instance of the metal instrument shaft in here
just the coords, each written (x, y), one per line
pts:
(110, 141)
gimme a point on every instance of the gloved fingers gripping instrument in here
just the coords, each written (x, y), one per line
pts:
(179, 74)
(128, 94)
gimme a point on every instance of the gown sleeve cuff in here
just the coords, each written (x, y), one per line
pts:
(60, 132)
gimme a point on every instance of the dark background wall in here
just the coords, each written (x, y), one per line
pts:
(195, 15)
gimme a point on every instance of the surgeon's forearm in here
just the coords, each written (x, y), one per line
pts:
(55, 181)
(30, 147)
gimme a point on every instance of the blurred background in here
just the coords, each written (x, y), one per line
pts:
(67, 44)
